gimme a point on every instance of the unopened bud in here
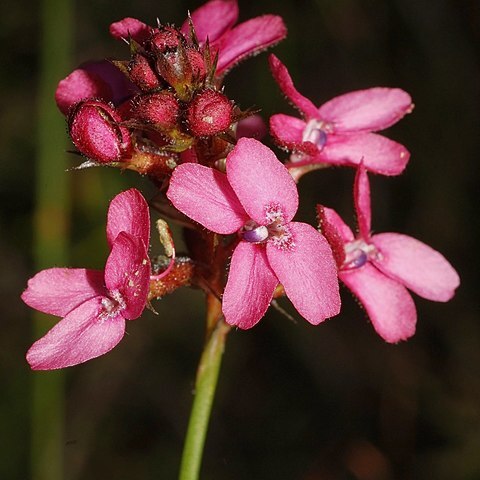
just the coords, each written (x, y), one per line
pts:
(209, 113)
(166, 38)
(160, 109)
(183, 69)
(142, 74)
(197, 64)
(95, 131)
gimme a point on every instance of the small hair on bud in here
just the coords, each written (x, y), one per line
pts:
(95, 130)
(161, 109)
(209, 113)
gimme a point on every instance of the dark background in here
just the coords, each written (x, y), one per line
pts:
(294, 401)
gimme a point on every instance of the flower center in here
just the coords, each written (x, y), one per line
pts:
(275, 231)
(253, 233)
(113, 305)
(316, 132)
(358, 253)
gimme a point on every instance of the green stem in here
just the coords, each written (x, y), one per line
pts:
(205, 385)
(51, 226)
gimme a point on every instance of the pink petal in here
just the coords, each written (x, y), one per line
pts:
(332, 219)
(285, 82)
(362, 202)
(127, 274)
(418, 266)
(287, 132)
(128, 212)
(247, 39)
(308, 273)
(79, 85)
(250, 286)
(378, 154)
(57, 291)
(212, 19)
(82, 335)
(204, 195)
(130, 28)
(121, 87)
(252, 127)
(366, 110)
(388, 303)
(261, 181)
(335, 231)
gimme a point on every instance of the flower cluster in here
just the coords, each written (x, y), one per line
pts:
(163, 113)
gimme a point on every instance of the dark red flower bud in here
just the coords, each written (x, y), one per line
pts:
(160, 109)
(210, 112)
(95, 131)
(197, 64)
(142, 74)
(183, 69)
(165, 38)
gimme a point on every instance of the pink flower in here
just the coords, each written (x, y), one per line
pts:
(95, 304)
(339, 132)
(215, 20)
(257, 199)
(379, 268)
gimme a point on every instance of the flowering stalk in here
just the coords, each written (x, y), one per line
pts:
(163, 113)
(205, 385)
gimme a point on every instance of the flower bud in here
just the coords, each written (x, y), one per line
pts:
(142, 74)
(160, 109)
(197, 64)
(209, 113)
(166, 38)
(94, 129)
(183, 69)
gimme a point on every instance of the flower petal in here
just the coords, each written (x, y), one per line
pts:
(362, 202)
(252, 126)
(212, 19)
(335, 231)
(287, 132)
(285, 82)
(122, 88)
(127, 272)
(308, 273)
(378, 154)
(418, 266)
(333, 219)
(247, 39)
(128, 212)
(57, 291)
(130, 28)
(204, 195)
(79, 85)
(366, 110)
(85, 333)
(261, 181)
(387, 302)
(250, 286)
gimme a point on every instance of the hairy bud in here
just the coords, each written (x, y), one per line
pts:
(94, 128)
(142, 74)
(160, 109)
(210, 112)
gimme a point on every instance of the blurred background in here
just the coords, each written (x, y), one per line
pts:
(294, 401)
